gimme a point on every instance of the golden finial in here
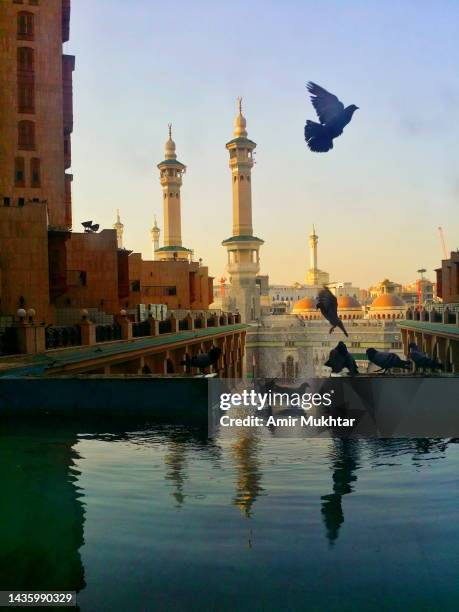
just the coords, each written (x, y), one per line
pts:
(239, 103)
(169, 125)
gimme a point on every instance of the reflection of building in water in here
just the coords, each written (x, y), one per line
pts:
(42, 515)
(175, 460)
(344, 463)
(248, 484)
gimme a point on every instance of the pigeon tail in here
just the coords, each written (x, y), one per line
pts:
(317, 137)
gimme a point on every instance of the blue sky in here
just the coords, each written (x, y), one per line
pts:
(376, 199)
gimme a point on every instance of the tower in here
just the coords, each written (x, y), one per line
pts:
(243, 247)
(36, 118)
(171, 172)
(314, 276)
(155, 232)
(119, 227)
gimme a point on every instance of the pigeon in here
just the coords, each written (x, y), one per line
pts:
(203, 360)
(340, 358)
(333, 119)
(328, 306)
(387, 361)
(422, 360)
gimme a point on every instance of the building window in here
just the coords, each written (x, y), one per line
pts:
(26, 98)
(25, 26)
(26, 135)
(19, 172)
(34, 2)
(25, 57)
(35, 179)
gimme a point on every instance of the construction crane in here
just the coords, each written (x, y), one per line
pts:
(443, 243)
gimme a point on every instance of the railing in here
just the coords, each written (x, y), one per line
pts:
(105, 333)
(62, 337)
(141, 329)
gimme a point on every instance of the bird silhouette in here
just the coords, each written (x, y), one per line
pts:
(422, 360)
(340, 358)
(328, 306)
(203, 360)
(387, 361)
(333, 119)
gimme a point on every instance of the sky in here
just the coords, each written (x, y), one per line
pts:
(376, 199)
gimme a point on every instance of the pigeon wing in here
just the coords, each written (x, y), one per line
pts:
(327, 302)
(327, 105)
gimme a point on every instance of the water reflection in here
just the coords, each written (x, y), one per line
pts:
(41, 512)
(245, 451)
(344, 461)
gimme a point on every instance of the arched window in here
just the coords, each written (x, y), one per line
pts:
(25, 56)
(26, 135)
(25, 25)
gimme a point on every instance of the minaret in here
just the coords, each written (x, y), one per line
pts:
(119, 227)
(243, 247)
(171, 171)
(313, 240)
(155, 232)
(314, 276)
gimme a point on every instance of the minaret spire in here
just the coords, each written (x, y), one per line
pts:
(243, 247)
(171, 172)
(119, 228)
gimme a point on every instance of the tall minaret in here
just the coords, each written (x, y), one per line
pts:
(171, 171)
(313, 240)
(155, 232)
(243, 247)
(119, 227)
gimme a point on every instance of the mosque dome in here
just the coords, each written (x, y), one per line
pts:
(305, 303)
(387, 300)
(347, 302)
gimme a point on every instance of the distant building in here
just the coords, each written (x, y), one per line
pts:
(448, 279)
(387, 306)
(385, 286)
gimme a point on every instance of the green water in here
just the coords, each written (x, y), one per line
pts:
(161, 518)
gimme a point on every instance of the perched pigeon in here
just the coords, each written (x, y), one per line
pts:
(203, 360)
(340, 358)
(333, 119)
(422, 360)
(328, 306)
(387, 361)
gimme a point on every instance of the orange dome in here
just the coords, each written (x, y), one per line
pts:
(388, 300)
(347, 302)
(305, 303)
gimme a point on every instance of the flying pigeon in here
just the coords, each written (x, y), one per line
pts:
(422, 360)
(328, 306)
(333, 119)
(203, 360)
(340, 358)
(387, 361)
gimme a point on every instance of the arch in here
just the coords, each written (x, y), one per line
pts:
(290, 368)
(170, 369)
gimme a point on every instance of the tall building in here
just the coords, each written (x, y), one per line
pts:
(314, 276)
(36, 118)
(171, 172)
(243, 247)
(119, 229)
(155, 233)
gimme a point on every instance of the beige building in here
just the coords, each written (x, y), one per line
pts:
(387, 306)
(242, 247)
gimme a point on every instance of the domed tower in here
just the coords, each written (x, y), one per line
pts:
(171, 172)
(119, 228)
(243, 247)
(155, 233)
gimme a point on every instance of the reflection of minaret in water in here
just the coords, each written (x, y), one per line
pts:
(248, 484)
(41, 530)
(345, 460)
(175, 460)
